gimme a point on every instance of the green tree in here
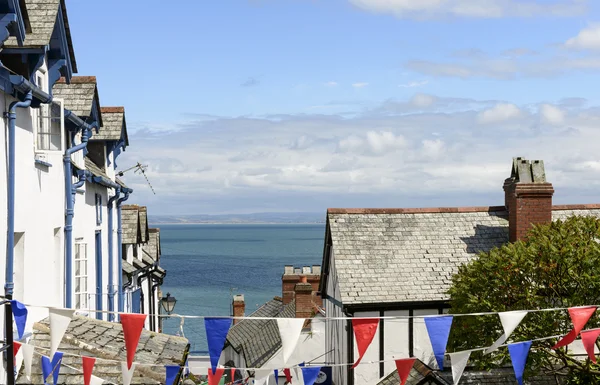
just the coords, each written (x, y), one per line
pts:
(558, 266)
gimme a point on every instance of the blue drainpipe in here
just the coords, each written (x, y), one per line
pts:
(120, 201)
(111, 284)
(70, 203)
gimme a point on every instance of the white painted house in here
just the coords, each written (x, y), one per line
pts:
(399, 262)
(61, 230)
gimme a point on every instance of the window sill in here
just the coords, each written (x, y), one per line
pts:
(42, 163)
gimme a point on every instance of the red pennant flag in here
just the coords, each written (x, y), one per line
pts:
(213, 379)
(232, 375)
(88, 368)
(579, 316)
(364, 331)
(589, 337)
(16, 347)
(288, 375)
(132, 330)
(404, 367)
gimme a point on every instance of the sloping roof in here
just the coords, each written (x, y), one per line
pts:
(94, 169)
(79, 96)
(42, 18)
(101, 339)
(113, 119)
(402, 255)
(128, 267)
(130, 224)
(259, 340)
(143, 223)
(151, 248)
(120, 182)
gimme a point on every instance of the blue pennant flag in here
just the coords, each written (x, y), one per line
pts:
(518, 356)
(438, 329)
(216, 334)
(276, 377)
(172, 371)
(20, 314)
(51, 367)
(310, 374)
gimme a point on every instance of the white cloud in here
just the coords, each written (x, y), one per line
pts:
(424, 9)
(501, 112)
(331, 84)
(588, 38)
(387, 156)
(360, 85)
(551, 114)
(414, 84)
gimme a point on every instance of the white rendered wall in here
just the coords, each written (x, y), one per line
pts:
(336, 330)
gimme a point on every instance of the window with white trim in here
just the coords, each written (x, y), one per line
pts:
(98, 209)
(81, 279)
(50, 122)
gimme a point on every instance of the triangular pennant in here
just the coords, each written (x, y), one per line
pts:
(364, 331)
(310, 374)
(96, 380)
(510, 320)
(518, 356)
(438, 329)
(459, 360)
(19, 312)
(27, 359)
(215, 377)
(171, 373)
(88, 367)
(232, 375)
(59, 322)
(16, 348)
(216, 334)
(261, 376)
(132, 330)
(589, 337)
(51, 367)
(579, 317)
(127, 373)
(276, 373)
(288, 375)
(290, 330)
(404, 366)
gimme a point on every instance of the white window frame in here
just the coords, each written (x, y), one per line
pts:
(82, 301)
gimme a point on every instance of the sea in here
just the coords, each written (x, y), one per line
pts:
(209, 263)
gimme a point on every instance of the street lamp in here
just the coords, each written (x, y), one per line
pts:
(168, 303)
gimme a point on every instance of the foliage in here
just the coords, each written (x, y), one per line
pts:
(558, 266)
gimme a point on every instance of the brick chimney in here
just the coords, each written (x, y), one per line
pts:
(527, 197)
(292, 276)
(239, 307)
(304, 298)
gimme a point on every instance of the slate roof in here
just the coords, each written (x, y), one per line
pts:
(402, 255)
(113, 119)
(42, 18)
(120, 182)
(259, 340)
(128, 267)
(79, 96)
(152, 247)
(101, 339)
(130, 224)
(143, 223)
(94, 169)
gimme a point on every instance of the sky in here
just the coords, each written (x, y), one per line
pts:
(242, 106)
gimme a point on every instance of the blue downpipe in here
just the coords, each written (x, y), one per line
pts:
(70, 209)
(120, 249)
(111, 284)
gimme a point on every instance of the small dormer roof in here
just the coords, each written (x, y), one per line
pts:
(80, 97)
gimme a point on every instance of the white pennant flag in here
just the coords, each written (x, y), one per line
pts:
(27, 359)
(459, 361)
(290, 330)
(59, 322)
(510, 320)
(261, 376)
(96, 380)
(127, 374)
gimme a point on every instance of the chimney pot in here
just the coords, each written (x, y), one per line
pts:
(288, 270)
(239, 307)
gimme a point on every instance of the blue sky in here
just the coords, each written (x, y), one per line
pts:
(300, 105)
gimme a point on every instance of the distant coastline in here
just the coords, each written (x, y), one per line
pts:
(235, 223)
(240, 219)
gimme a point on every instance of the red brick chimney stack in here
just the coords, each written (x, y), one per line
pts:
(528, 197)
(304, 298)
(239, 307)
(291, 276)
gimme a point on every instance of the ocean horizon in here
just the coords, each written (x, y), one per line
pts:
(209, 263)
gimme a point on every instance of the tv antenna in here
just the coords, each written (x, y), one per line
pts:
(139, 168)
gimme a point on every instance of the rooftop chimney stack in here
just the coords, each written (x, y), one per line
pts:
(303, 292)
(292, 276)
(528, 197)
(239, 307)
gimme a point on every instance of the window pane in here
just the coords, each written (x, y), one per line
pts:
(77, 267)
(77, 285)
